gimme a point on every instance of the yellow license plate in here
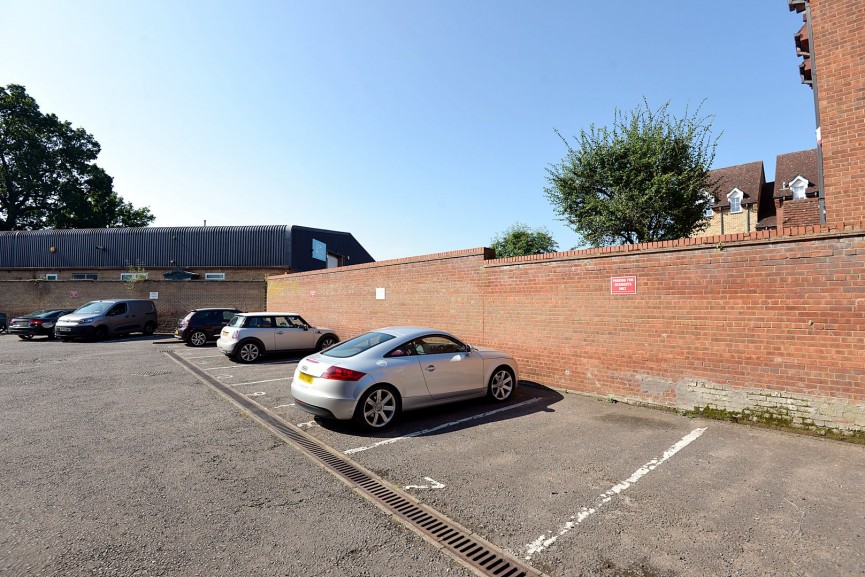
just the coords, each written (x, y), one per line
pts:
(305, 378)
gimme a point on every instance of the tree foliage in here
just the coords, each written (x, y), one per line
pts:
(48, 174)
(521, 240)
(643, 180)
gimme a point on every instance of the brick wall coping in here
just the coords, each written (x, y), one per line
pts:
(470, 252)
(794, 234)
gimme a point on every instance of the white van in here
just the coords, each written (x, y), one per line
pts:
(101, 319)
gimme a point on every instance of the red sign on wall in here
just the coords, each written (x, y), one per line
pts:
(623, 285)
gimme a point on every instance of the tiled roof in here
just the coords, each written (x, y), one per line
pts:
(748, 178)
(791, 165)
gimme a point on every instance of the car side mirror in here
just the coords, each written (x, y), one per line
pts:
(468, 348)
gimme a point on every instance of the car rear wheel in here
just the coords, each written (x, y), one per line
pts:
(101, 334)
(25, 337)
(148, 329)
(377, 408)
(326, 341)
(501, 384)
(197, 339)
(248, 352)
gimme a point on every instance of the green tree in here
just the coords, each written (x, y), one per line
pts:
(640, 181)
(48, 174)
(521, 240)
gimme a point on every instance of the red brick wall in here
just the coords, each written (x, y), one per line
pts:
(839, 54)
(714, 320)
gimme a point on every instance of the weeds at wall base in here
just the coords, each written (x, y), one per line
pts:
(775, 419)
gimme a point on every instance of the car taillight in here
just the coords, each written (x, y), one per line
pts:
(36, 322)
(341, 374)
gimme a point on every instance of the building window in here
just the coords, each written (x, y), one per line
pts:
(133, 276)
(798, 187)
(735, 198)
(84, 276)
(51, 276)
(708, 213)
(214, 276)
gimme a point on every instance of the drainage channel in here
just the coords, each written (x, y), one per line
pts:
(474, 552)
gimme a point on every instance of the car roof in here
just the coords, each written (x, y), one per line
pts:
(215, 309)
(267, 314)
(411, 331)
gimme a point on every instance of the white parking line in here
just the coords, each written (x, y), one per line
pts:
(548, 539)
(257, 382)
(440, 427)
(283, 406)
(227, 368)
(204, 357)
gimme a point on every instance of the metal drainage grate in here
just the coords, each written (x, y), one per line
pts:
(477, 554)
(151, 374)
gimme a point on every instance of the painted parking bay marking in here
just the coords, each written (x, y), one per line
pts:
(440, 427)
(548, 539)
(433, 484)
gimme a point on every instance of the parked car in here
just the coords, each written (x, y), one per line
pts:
(36, 324)
(374, 377)
(249, 336)
(3, 327)
(100, 319)
(202, 325)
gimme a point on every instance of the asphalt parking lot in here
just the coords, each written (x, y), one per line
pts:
(119, 460)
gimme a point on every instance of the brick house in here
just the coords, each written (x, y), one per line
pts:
(742, 200)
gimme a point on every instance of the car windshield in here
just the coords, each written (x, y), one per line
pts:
(357, 345)
(94, 307)
(236, 321)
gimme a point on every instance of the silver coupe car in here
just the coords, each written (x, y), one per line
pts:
(374, 377)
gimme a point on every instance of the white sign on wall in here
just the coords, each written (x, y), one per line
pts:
(379, 294)
(154, 296)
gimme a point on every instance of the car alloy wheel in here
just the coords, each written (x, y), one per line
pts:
(248, 353)
(326, 342)
(501, 384)
(377, 408)
(197, 339)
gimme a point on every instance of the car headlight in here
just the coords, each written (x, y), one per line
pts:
(85, 321)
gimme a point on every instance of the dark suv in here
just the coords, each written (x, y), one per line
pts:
(202, 325)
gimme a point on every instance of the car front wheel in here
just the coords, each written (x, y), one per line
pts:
(501, 384)
(197, 339)
(377, 408)
(248, 353)
(25, 337)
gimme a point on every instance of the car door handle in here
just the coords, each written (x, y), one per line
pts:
(431, 368)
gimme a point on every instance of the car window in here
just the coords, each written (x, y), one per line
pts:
(93, 307)
(298, 320)
(259, 323)
(227, 315)
(437, 345)
(237, 321)
(118, 309)
(283, 322)
(357, 345)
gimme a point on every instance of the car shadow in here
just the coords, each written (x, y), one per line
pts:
(528, 399)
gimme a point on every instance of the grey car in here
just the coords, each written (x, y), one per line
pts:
(374, 377)
(249, 336)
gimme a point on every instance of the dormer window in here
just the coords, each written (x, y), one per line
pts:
(798, 186)
(735, 199)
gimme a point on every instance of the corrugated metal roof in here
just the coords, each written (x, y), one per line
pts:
(162, 247)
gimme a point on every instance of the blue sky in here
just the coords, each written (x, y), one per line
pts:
(419, 127)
